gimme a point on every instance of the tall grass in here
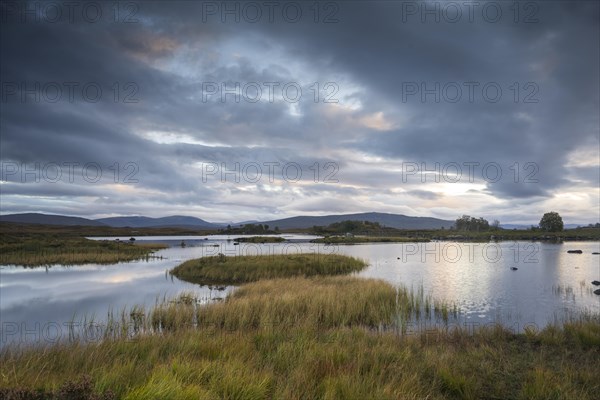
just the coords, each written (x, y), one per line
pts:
(309, 303)
(313, 338)
(235, 270)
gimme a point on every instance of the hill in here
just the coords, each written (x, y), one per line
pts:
(147, 222)
(47, 219)
(391, 220)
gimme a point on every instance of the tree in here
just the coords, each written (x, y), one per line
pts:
(551, 222)
(496, 225)
(468, 223)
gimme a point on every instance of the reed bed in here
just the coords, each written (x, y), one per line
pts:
(308, 303)
(315, 337)
(568, 292)
(35, 252)
(309, 338)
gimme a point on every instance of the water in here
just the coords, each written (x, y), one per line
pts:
(37, 304)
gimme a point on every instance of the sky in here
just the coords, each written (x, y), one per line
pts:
(235, 111)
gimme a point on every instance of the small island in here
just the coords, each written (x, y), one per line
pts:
(237, 270)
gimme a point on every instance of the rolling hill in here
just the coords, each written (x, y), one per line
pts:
(48, 219)
(147, 222)
(299, 222)
(392, 220)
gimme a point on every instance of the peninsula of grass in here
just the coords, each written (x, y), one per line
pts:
(367, 239)
(313, 338)
(48, 250)
(260, 239)
(237, 270)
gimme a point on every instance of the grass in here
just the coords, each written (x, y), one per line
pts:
(295, 332)
(315, 338)
(236, 270)
(578, 234)
(367, 239)
(260, 239)
(311, 303)
(25, 230)
(37, 251)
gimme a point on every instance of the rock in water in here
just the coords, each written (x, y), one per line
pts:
(595, 283)
(597, 291)
(575, 251)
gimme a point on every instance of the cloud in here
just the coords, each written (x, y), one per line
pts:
(355, 101)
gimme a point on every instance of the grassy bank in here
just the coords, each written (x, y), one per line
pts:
(38, 251)
(260, 239)
(316, 338)
(373, 230)
(583, 234)
(367, 239)
(25, 230)
(236, 270)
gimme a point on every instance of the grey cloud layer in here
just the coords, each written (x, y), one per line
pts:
(371, 54)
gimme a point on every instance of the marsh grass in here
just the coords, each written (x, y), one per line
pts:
(314, 338)
(568, 292)
(306, 303)
(241, 269)
(39, 251)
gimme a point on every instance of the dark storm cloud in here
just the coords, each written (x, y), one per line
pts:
(566, 112)
(375, 53)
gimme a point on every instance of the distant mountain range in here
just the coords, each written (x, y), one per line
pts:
(45, 219)
(178, 221)
(390, 220)
(300, 222)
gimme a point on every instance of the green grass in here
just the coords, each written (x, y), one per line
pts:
(260, 239)
(236, 270)
(37, 251)
(367, 239)
(313, 338)
(578, 234)
(16, 230)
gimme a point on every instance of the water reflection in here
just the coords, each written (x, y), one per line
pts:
(549, 283)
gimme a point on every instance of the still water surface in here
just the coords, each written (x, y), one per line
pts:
(548, 284)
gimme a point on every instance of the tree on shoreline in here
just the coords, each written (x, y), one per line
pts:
(551, 222)
(471, 224)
